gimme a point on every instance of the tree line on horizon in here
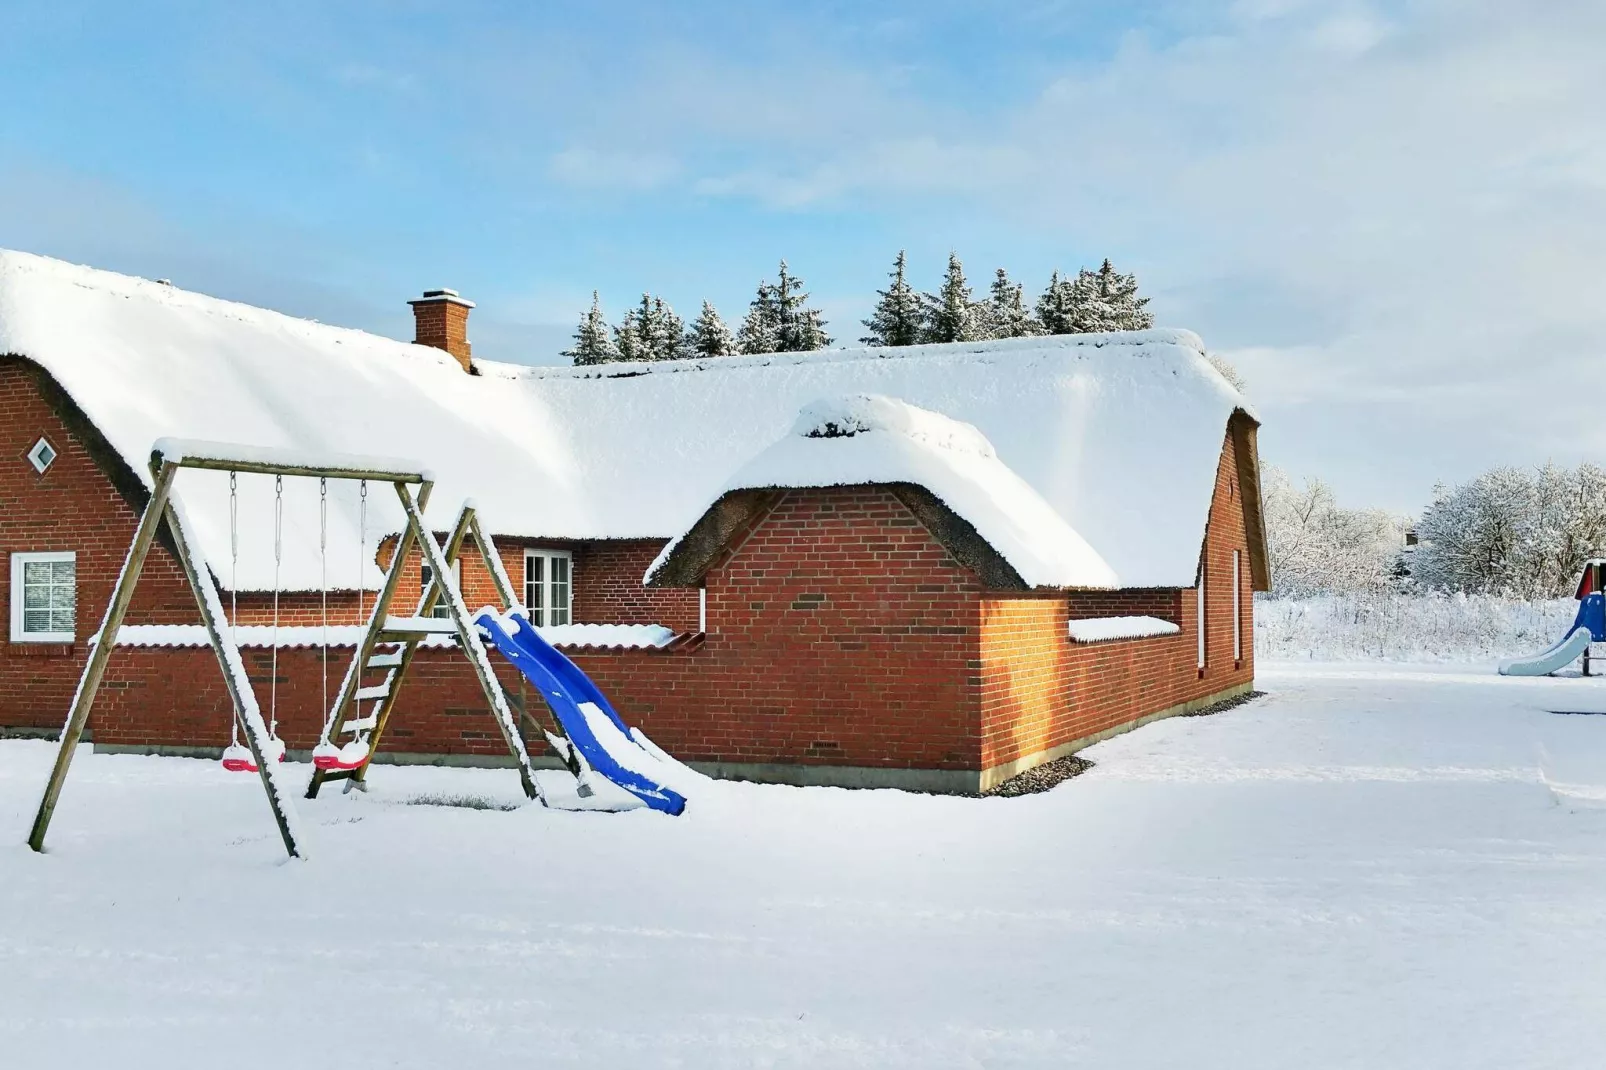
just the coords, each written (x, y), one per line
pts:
(781, 320)
(1511, 532)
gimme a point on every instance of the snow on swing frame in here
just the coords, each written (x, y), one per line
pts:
(261, 746)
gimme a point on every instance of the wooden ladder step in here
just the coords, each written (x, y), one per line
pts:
(385, 661)
(361, 724)
(378, 691)
(411, 629)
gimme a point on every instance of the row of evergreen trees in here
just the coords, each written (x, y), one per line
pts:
(1102, 300)
(780, 319)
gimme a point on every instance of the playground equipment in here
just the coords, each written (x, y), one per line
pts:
(413, 486)
(1589, 626)
(589, 736)
(597, 738)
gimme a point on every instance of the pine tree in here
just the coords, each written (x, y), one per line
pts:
(1089, 312)
(948, 318)
(1102, 300)
(651, 331)
(899, 316)
(1003, 314)
(780, 319)
(1056, 307)
(759, 332)
(591, 342)
(1120, 307)
(709, 335)
(630, 338)
(799, 328)
(667, 333)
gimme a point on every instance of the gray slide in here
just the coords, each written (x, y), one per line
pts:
(1557, 657)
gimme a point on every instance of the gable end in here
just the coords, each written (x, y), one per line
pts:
(736, 511)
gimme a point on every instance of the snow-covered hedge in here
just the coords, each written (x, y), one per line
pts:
(1407, 627)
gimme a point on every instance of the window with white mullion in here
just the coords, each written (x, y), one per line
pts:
(548, 586)
(44, 597)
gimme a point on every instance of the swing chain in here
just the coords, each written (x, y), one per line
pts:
(323, 581)
(362, 552)
(234, 586)
(278, 550)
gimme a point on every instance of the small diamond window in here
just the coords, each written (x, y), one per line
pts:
(41, 456)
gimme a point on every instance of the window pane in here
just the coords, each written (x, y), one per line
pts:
(535, 587)
(63, 571)
(35, 595)
(560, 590)
(36, 620)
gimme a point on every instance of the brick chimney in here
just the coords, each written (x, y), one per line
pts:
(440, 319)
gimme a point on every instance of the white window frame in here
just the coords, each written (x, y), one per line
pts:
(1199, 612)
(19, 561)
(542, 609)
(442, 608)
(1237, 607)
(36, 455)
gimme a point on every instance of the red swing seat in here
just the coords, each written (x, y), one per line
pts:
(328, 757)
(237, 757)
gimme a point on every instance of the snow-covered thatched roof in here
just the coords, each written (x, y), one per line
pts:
(871, 439)
(1116, 437)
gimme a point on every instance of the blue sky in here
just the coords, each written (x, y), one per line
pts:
(1389, 215)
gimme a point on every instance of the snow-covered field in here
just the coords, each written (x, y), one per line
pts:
(1363, 869)
(1427, 627)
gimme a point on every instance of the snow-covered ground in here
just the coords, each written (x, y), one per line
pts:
(1363, 869)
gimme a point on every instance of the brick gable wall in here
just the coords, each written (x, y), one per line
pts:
(72, 506)
(1043, 693)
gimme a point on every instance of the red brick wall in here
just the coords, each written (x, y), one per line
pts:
(1041, 691)
(72, 506)
(840, 633)
(608, 588)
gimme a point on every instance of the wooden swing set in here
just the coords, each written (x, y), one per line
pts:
(401, 635)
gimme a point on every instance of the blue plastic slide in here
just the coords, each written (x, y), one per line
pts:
(1588, 627)
(568, 691)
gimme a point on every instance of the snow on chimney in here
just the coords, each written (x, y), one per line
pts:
(440, 319)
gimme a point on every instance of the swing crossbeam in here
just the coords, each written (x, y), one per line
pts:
(228, 457)
(163, 509)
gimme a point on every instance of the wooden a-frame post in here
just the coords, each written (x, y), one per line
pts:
(164, 506)
(100, 654)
